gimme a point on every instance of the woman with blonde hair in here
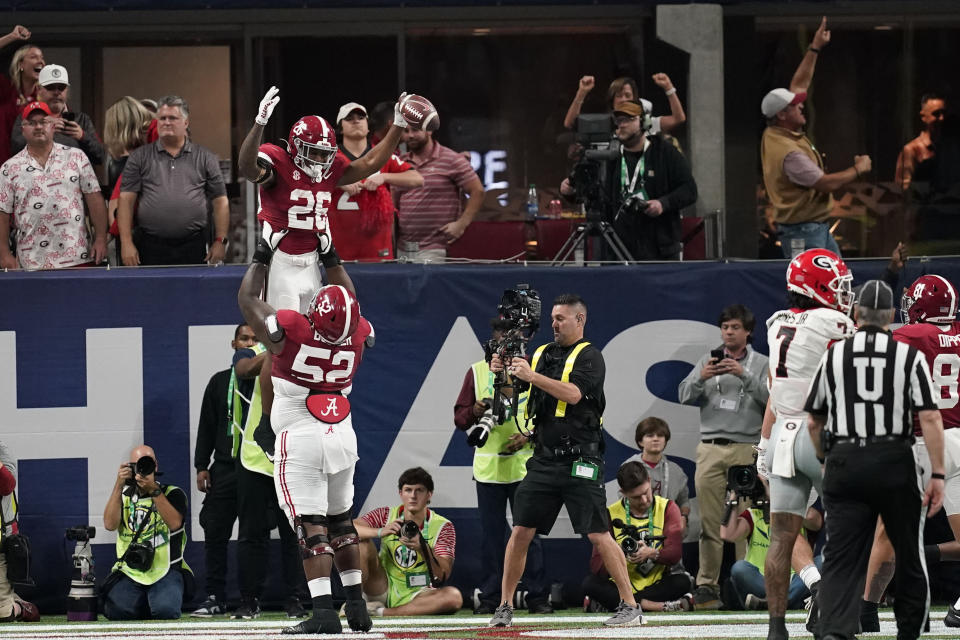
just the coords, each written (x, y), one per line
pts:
(127, 125)
(20, 87)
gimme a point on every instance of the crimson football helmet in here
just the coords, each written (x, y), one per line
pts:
(929, 299)
(313, 145)
(334, 313)
(821, 275)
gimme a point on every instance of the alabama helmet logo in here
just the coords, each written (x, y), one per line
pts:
(300, 127)
(324, 307)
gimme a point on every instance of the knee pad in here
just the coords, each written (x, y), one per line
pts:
(314, 545)
(342, 532)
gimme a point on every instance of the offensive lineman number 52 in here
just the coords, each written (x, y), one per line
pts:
(311, 212)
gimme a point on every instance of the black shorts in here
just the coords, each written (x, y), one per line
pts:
(548, 486)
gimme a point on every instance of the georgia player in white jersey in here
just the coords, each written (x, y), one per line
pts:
(820, 295)
(929, 309)
(296, 190)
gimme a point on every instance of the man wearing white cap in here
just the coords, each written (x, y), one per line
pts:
(71, 128)
(793, 172)
(361, 217)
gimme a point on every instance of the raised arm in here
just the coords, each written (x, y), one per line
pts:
(255, 311)
(373, 161)
(586, 85)
(804, 73)
(677, 115)
(17, 34)
(247, 160)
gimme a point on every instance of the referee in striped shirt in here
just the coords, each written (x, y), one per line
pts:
(861, 406)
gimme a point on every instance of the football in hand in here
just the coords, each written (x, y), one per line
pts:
(420, 113)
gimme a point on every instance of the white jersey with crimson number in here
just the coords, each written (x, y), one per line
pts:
(797, 339)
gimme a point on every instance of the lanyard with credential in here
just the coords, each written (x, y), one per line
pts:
(630, 184)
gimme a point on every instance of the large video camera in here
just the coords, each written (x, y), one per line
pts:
(520, 309)
(591, 173)
(143, 467)
(635, 536)
(82, 599)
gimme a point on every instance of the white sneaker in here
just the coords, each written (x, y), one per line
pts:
(625, 616)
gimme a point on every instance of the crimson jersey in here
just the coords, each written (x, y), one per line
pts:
(309, 362)
(363, 223)
(294, 201)
(942, 350)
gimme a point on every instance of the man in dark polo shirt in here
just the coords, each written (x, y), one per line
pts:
(162, 212)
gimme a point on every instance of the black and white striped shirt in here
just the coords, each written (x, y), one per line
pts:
(870, 385)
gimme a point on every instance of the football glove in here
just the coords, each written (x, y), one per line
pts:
(265, 437)
(270, 100)
(398, 119)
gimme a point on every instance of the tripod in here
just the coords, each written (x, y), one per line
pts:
(593, 227)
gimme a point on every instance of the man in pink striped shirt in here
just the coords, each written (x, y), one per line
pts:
(430, 216)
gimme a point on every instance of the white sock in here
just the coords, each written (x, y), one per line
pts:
(379, 611)
(319, 587)
(350, 577)
(810, 575)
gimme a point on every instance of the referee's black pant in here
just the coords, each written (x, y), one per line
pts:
(858, 484)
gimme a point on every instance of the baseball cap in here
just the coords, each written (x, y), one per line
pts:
(779, 99)
(629, 109)
(35, 106)
(876, 294)
(53, 74)
(346, 109)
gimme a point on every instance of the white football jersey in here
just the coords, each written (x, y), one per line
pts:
(797, 340)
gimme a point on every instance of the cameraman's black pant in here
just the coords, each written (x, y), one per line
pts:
(860, 483)
(259, 513)
(603, 590)
(217, 515)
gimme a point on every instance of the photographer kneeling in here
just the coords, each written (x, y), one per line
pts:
(746, 576)
(149, 579)
(649, 529)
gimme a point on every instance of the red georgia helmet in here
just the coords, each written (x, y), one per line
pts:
(929, 299)
(334, 313)
(821, 275)
(313, 145)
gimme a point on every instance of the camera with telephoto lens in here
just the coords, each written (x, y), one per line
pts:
(409, 530)
(743, 480)
(143, 467)
(139, 556)
(520, 309)
(81, 533)
(634, 537)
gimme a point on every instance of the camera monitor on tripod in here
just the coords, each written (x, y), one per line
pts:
(594, 130)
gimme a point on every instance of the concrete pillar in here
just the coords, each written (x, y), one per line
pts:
(698, 30)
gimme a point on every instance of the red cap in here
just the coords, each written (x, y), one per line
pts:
(35, 106)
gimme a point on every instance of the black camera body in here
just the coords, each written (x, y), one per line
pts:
(744, 480)
(635, 536)
(409, 530)
(143, 467)
(520, 307)
(81, 533)
(139, 556)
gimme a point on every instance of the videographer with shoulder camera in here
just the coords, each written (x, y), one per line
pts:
(649, 530)
(150, 578)
(565, 405)
(499, 464)
(753, 525)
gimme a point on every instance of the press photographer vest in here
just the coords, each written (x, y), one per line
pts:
(252, 456)
(653, 522)
(577, 422)
(489, 465)
(759, 543)
(8, 515)
(167, 545)
(406, 570)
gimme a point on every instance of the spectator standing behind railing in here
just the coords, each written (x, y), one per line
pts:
(915, 157)
(20, 88)
(793, 171)
(170, 183)
(71, 128)
(42, 192)
(430, 216)
(625, 90)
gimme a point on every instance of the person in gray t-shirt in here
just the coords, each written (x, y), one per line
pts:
(667, 479)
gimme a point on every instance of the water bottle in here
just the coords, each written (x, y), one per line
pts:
(533, 203)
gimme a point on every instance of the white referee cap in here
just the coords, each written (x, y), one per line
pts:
(876, 294)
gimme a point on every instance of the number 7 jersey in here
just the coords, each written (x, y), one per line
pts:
(941, 347)
(797, 339)
(295, 202)
(312, 363)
